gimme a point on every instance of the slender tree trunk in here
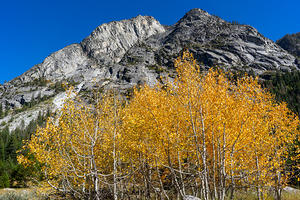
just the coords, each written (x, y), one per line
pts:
(258, 177)
(147, 181)
(278, 186)
(161, 185)
(198, 151)
(215, 194)
(223, 171)
(95, 174)
(231, 174)
(114, 150)
(180, 174)
(204, 160)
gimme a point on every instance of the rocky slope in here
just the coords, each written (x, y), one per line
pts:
(291, 43)
(136, 51)
(214, 42)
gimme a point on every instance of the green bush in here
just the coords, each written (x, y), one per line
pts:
(4, 180)
(13, 174)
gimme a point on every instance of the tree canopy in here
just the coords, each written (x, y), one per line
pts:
(200, 134)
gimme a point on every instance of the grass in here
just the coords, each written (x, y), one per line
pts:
(18, 194)
(291, 196)
(242, 195)
(31, 194)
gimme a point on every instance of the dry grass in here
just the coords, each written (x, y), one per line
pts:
(31, 194)
(291, 196)
(18, 194)
(241, 195)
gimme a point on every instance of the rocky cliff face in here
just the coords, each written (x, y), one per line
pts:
(215, 42)
(136, 51)
(106, 45)
(109, 42)
(291, 43)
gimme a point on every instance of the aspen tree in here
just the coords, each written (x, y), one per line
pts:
(78, 148)
(200, 134)
(231, 133)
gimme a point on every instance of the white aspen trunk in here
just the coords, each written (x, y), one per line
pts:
(223, 170)
(204, 153)
(215, 195)
(180, 174)
(115, 172)
(278, 186)
(203, 189)
(231, 176)
(258, 177)
(277, 181)
(114, 151)
(95, 174)
(197, 150)
(219, 170)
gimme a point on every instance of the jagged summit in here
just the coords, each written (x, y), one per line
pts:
(109, 42)
(140, 50)
(217, 42)
(195, 14)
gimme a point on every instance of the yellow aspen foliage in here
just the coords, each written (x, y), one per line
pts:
(232, 133)
(77, 146)
(201, 134)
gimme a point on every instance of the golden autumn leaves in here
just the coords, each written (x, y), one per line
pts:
(198, 135)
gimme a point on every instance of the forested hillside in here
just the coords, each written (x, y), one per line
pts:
(12, 174)
(286, 87)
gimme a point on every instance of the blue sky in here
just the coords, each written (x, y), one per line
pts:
(30, 30)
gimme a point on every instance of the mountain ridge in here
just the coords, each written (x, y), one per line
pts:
(140, 50)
